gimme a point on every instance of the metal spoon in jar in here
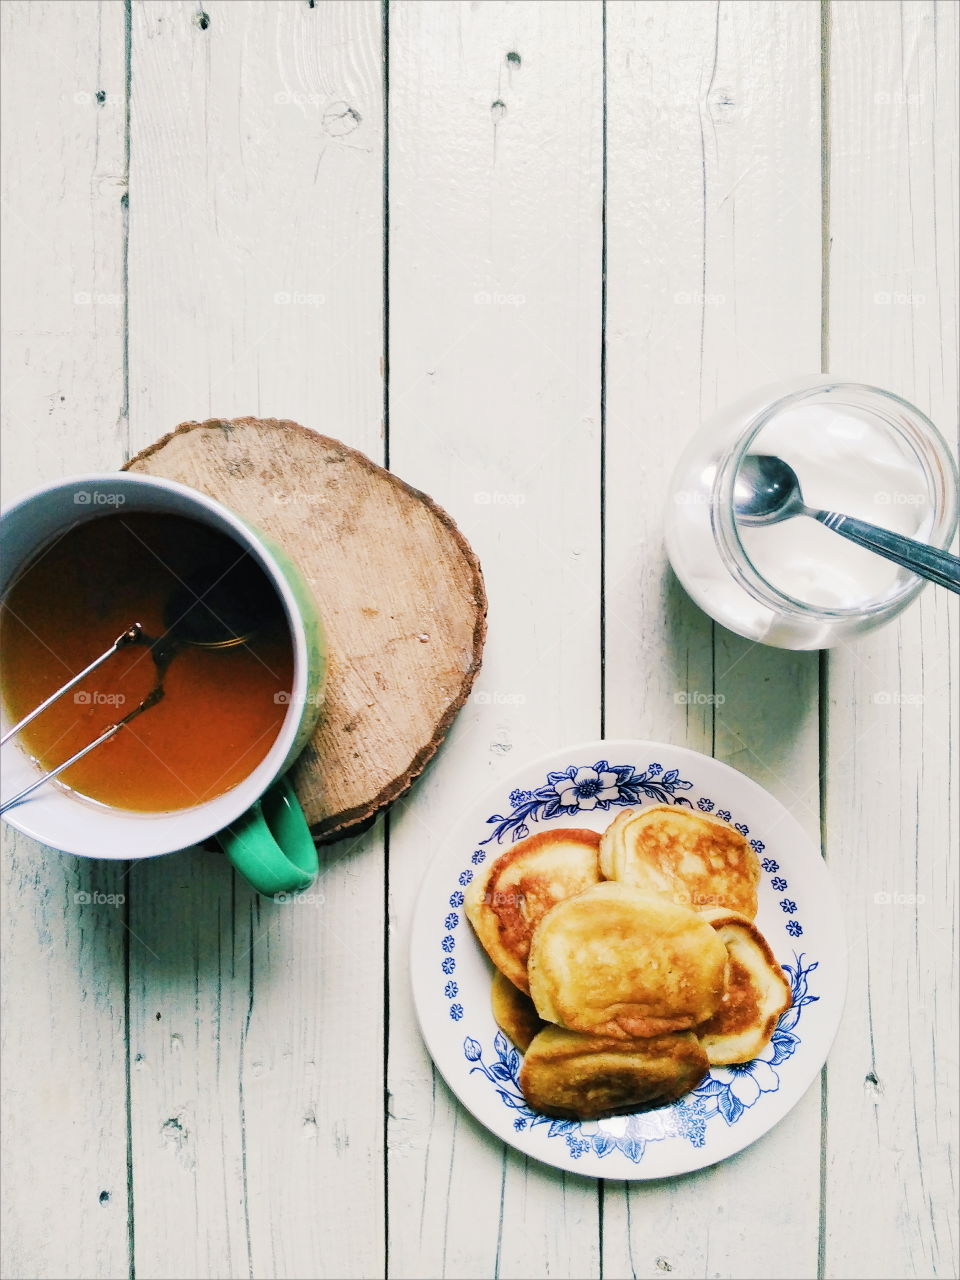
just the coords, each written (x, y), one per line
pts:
(767, 490)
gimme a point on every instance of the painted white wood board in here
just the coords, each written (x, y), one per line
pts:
(891, 745)
(63, 1083)
(495, 290)
(713, 287)
(256, 284)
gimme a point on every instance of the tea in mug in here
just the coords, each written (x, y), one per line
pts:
(221, 709)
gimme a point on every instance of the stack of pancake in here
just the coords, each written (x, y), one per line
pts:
(627, 963)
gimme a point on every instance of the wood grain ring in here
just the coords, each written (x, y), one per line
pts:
(400, 591)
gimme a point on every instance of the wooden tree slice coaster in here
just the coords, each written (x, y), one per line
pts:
(400, 592)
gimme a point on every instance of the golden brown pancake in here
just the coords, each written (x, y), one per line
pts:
(689, 857)
(757, 993)
(514, 1012)
(506, 901)
(617, 962)
(586, 1077)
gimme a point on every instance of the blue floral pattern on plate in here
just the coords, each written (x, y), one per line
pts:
(727, 1092)
(583, 788)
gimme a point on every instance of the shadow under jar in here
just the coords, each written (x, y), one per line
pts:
(796, 584)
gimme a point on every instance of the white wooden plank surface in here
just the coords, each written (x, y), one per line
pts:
(260, 1139)
(891, 763)
(255, 277)
(495, 254)
(64, 1070)
(713, 269)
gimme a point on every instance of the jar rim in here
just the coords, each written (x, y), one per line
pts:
(916, 430)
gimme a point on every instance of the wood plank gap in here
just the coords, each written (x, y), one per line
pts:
(385, 61)
(386, 1047)
(125, 441)
(603, 461)
(822, 1233)
(385, 58)
(823, 703)
(127, 1101)
(244, 1164)
(703, 330)
(603, 392)
(824, 187)
(823, 668)
(703, 272)
(125, 246)
(713, 664)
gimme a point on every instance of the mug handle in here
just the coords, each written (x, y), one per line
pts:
(271, 844)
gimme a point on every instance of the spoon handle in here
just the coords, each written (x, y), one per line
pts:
(926, 561)
(130, 636)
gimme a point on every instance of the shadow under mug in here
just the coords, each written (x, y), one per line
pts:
(258, 822)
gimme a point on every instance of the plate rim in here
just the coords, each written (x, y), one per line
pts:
(605, 747)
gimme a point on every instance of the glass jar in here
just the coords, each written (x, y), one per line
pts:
(796, 584)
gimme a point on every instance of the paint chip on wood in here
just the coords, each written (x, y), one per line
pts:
(340, 119)
(871, 1084)
(173, 1131)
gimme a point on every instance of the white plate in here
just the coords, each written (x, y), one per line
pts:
(798, 914)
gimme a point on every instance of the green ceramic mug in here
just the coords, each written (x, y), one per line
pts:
(258, 822)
